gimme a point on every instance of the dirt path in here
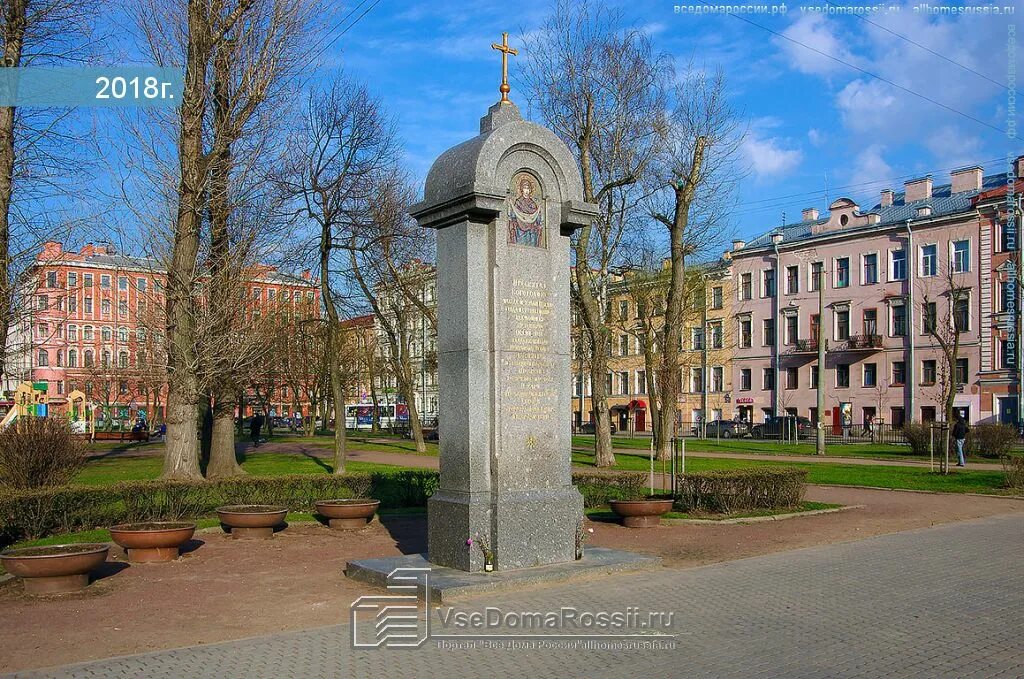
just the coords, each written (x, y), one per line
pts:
(226, 589)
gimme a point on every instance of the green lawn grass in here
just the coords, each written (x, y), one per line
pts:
(899, 478)
(103, 472)
(605, 514)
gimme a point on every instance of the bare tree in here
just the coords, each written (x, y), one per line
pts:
(39, 159)
(693, 184)
(600, 86)
(336, 162)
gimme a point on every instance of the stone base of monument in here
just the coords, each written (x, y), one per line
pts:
(447, 584)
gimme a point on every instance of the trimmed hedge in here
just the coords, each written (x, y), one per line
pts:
(733, 490)
(991, 440)
(598, 488)
(31, 514)
(1013, 465)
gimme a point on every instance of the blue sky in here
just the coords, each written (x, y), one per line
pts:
(809, 117)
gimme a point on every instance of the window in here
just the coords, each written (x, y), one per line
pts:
(745, 333)
(962, 371)
(814, 377)
(870, 322)
(73, 332)
(641, 381)
(696, 380)
(962, 313)
(87, 280)
(42, 331)
(815, 328)
(843, 325)
(870, 268)
(792, 280)
(1004, 357)
(105, 358)
(899, 320)
(843, 272)
(87, 333)
(767, 379)
(1007, 297)
(140, 284)
(51, 279)
(89, 358)
(272, 294)
(929, 259)
(106, 334)
(768, 283)
(899, 373)
(72, 358)
(792, 378)
(928, 372)
(792, 329)
(745, 286)
(745, 379)
(716, 297)
(816, 270)
(72, 279)
(623, 345)
(44, 358)
(897, 416)
(122, 308)
(870, 375)
(898, 265)
(624, 382)
(927, 413)
(961, 260)
(930, 319)
(105, 307)
(72, 304)
(122, 283)
(140, 336)
(717, 378)
(769, 332)
(623, 310)
(122, 387)
(716, 335)
(842, 374)
(122, 359)
(104, 281)
(122, 334)
(41, 302)
(697, 338)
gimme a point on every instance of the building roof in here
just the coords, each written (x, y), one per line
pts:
(942, 202)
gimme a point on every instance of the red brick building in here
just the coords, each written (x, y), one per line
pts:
(94, 321)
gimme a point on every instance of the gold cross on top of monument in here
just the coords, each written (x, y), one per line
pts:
(505, 51)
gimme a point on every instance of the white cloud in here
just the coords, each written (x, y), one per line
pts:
(870, 166)
(815, 32)
(816, 137)
(768, 158)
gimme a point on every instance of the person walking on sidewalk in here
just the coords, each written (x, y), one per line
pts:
(960, 436)
(254, 429)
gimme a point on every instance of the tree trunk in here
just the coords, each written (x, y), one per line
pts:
(13, 40)
(223, 462)
(182, 454)
(338, 394)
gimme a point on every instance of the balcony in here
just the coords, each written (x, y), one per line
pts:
(863, 343)
(806, 346)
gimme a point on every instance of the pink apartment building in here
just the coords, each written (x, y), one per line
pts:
(884, 279)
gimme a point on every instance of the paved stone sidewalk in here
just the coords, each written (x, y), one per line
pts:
(945, 601)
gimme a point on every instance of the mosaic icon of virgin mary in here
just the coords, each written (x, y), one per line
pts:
(525, 212)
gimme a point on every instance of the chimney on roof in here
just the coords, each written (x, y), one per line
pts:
(924, 211)
(809, 214)
(966, 179)
(1018, 166)
(738, 244)
(917, 189)
(887, 197)
(307, 275)
(51, 250)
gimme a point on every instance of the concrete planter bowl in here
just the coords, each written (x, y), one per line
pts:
(252, 521)
(54, 569)
(350, 514)
(641, 513)
(154, 541)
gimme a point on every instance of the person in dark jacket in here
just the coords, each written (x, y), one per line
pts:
(960, 436)
(254, 429)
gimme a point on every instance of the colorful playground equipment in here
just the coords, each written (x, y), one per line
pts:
(31, 400)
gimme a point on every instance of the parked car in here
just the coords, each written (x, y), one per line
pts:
(725, 429)
(783, 426)
(588, 428)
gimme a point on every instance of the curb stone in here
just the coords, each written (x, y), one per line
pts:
(758, 519)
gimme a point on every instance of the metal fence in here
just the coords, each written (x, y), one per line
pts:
(788, 432)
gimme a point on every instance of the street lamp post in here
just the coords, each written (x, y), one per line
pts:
(776, 239)
(819, 441)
